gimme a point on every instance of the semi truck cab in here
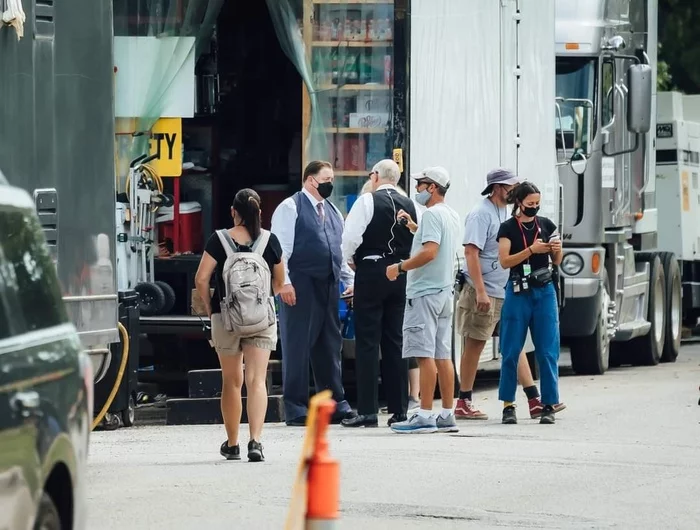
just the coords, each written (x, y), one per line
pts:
(616, 286)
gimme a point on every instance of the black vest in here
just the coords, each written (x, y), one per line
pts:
(384, 236)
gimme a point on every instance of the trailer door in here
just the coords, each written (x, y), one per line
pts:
(533, 81)
(455, 99)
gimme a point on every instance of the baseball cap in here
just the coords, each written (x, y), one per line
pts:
(500, 176)
(437, 174)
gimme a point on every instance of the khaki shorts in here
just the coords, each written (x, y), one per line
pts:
(227, 343)
(473, 323)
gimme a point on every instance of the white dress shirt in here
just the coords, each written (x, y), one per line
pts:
(359, 218)
(284, 224)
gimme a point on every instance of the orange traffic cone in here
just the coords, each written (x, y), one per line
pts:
(314, 502)
(323, 478)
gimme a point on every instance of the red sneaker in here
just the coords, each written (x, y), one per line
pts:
(465, 410)
(536, 407)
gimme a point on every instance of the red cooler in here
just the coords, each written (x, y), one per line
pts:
(190, 226)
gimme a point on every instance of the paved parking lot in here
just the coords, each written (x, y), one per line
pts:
(625, 454)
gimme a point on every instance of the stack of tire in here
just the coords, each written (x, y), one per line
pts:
(156, 298)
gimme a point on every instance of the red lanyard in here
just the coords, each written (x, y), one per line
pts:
(522, 232)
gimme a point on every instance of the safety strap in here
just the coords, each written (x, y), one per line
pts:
(227, 242)
(230, 246)
(261, 244)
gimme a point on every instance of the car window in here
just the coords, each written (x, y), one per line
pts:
(27, 269)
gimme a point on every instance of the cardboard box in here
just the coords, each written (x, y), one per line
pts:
(369, 120)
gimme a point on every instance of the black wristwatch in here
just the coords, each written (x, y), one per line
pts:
(401, 271)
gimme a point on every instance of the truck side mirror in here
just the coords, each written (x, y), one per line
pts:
(639, 98)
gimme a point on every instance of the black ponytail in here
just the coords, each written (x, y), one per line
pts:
(518, 193)
(247, 204)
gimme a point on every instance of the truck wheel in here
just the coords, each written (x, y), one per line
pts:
(591, 355)
(674, 310)
(129, 415)
(47, 516)
(647, 350)
(152, 298)
(169, 293)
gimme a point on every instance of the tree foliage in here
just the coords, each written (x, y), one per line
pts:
(679, 48)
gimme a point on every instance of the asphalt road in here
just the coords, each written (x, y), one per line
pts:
(625, 454)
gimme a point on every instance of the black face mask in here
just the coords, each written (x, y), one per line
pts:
(325, 189)
(531, 211)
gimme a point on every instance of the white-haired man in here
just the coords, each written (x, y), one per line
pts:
(373, 239)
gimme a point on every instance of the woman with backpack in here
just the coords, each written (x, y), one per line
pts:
(245, 261)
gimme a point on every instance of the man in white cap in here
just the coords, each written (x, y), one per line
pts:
(427, 325)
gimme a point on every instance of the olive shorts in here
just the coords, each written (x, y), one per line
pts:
(471, 322)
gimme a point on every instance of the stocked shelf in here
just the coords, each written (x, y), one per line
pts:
(362, 2)
(355, 130)
(354, 87)
(351, 44)
(350, 48)
(343, 173)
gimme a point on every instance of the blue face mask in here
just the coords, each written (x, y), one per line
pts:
(423, 197)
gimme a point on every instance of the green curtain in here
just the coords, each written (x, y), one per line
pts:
(176, 22)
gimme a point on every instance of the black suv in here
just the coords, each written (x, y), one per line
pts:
(46, 382)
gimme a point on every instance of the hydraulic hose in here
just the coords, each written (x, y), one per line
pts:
(155, 177)
(122, 368)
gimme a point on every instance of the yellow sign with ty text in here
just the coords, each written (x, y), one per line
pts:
(166, 142)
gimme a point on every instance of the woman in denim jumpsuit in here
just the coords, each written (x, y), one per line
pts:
(528, 244)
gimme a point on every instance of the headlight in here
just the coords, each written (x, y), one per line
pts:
(572, 264)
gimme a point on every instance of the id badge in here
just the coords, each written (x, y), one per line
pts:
(526, 269)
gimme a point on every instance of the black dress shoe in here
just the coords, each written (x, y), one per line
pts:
(340, 416)
(396, 418)
(362, 420)
(297, 422)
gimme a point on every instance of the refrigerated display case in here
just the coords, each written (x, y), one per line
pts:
(350, 50)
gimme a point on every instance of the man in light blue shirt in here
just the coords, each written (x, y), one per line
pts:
(427, 325)
(481, 299)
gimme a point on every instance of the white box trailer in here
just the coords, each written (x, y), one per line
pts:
(482, 95)
(678, 190)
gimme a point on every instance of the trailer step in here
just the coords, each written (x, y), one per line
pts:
(631, 330)
(207, 411)
(150, 415)
(207, 383)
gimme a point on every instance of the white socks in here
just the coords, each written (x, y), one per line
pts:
(445, 413)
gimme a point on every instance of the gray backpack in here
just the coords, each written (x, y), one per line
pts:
(247, 307)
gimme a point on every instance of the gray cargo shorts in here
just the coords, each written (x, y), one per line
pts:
(427, 326)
